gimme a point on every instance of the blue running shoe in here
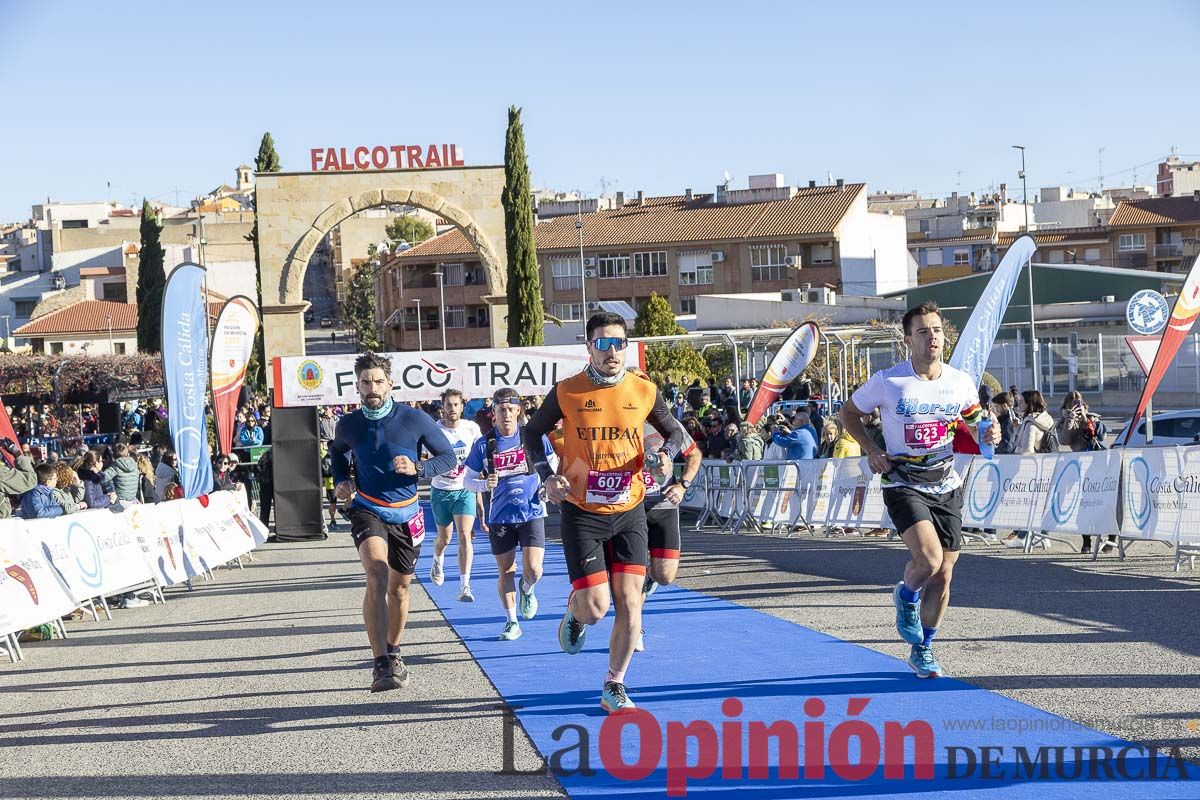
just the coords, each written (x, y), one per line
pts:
(614, 699)
(527, 603)
(571, 633)
(908, 617)
(923, 662)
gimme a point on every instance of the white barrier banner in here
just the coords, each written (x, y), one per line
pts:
(94, 552)
(30, 591)
(227, 523)
(323, 380)
(1004, 492)
(816, 483)
(1082, 496)
(775, 500)
(1149, 500)
(159, 531)
(1187, 483)
(855, 494)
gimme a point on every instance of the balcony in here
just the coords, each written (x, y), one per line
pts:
(1170, 250)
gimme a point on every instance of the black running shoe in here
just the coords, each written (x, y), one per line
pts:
(383, 679)
(399, 670)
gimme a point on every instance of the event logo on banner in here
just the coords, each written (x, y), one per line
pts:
(1183, 317)
(1083, 493)
(185, 374)
(791, 360)
(232, 343)
(975, 342)
(1005, 492)
(1187, 484)
(329, 380)
(1150, 498)
(30, 592)
(93, 552)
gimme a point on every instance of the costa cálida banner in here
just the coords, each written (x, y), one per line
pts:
(975, 343)
(329, 380)
(791, 360)
(232, 343)
(1183, 317)
(185, 374)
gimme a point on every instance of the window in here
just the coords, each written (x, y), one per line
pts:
(24, 308)
(113, 291)
(565, 273)
(687, 305)
(613, 266)
(452, 274)
(962, 257)
(1056, 256)
(56, 347)
(933, 258)
(646, 265)
(567, 312)
(1091, 255)
(456, 317)
(119, 348)
(822, 254)
(923, 226)
(766, 262)
(1132, 241)
(477, 317)
(695, 269)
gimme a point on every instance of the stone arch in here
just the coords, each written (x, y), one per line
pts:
(292, 278)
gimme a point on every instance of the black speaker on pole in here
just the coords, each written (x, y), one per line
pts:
(110, 418)
(299, 496)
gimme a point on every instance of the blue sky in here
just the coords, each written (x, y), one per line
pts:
(653, 96)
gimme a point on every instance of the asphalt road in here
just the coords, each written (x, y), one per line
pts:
(255, 684)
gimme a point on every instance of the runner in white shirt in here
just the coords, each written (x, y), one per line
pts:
(453, 504)
(920, 402)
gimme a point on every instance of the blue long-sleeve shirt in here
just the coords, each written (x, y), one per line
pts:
(374, 444)
(799, 444)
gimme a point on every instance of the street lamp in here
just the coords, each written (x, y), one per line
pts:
(582, 272)
(441, 306)
(1033, 346)
(112, 351)
(420, 340)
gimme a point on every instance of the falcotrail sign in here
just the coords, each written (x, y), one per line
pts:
(394, 156)
(329, 379)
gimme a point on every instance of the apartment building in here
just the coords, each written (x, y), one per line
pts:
(1159, 233)
(768, 238)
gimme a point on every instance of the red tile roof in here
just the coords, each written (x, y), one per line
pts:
(676, 220)
(1058, 235)
(91, 316)
(100, 272)
(1156, 211)
(87, 316)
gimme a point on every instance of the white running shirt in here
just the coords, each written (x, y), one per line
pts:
(461, 439)
(918, 418)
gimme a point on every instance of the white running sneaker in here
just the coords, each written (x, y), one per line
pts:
(436, 574)
(466, 596)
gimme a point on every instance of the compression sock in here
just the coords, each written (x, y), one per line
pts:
(908, 595)
(929, 634)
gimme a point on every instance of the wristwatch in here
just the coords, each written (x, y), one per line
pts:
(420, 467)
(685, 483)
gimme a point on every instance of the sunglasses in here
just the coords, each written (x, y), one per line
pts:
(605, 343)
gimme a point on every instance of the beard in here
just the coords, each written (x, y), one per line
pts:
(373, 401)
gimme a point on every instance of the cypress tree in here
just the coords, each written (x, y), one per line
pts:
(525, 313)
(267, 161)
(151, 282)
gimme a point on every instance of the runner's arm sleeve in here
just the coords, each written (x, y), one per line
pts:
(473, 480)
(430, 436)
(537, 449)
(551, 456)
(339, 453)
(663, 421)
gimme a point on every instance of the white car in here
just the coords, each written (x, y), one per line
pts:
(1170, 428)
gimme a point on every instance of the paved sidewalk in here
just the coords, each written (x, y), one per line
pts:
(255, 685)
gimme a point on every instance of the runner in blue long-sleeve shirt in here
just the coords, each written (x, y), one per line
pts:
(386, 522)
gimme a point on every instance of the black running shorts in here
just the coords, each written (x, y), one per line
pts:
(663, 524)
(505, 538)
(907, 507)
(597, 544)
(402, 553)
